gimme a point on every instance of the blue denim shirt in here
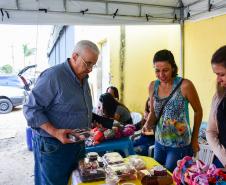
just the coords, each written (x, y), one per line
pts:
(59, 98)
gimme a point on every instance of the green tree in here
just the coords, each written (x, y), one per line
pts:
(28, 51)
(6, 69)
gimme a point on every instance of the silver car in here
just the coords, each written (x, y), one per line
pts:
(11, 97)
(13, 90)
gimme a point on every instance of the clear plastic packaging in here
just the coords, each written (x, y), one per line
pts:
(92, 156)
(90, 169)
(112, 158)
(124, 171)
(137, 163)
(111, 177)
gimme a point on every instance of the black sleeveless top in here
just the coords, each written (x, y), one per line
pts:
(221, 118)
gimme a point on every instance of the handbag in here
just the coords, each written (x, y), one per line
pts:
(164, 104)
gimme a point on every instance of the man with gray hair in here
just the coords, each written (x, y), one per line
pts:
(59, 103)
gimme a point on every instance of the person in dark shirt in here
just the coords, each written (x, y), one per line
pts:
(59, 103)
(143, 142)
(113, 109)
(111, 90)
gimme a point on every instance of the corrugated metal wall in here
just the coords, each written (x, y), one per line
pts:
(63, 46)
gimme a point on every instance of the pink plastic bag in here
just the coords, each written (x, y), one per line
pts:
(193, 172)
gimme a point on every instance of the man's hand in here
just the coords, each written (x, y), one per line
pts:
(62, 135)
(71, 136)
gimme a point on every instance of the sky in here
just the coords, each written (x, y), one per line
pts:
(12, 37)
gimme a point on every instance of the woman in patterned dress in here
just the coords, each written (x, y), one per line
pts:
(174, 137)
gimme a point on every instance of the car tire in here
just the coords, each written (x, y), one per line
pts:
(6, 106)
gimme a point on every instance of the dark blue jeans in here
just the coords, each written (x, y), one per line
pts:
(54, 161)
(142, 144)
(168, 156)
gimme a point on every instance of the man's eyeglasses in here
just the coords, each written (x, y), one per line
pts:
(88, 64)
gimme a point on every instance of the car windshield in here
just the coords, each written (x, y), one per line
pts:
(13, 80)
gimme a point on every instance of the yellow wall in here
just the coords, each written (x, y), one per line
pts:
(141, 44)
(202, 38)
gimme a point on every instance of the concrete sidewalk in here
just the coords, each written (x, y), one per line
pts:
(16, 161)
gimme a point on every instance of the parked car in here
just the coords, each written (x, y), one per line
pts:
(11, 97)
(11, 80)
(13, 90)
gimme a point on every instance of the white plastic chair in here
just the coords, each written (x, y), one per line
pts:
(136, 117)
(151, 150)
(205, 154)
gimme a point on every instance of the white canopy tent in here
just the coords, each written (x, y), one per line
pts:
(108, 12)
(68, 12)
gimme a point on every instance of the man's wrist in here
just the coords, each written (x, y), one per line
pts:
(49, 129)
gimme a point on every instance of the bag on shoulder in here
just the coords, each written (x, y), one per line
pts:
(164, 104)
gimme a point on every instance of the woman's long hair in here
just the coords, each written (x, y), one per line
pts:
(109, 104)
(219, 57)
